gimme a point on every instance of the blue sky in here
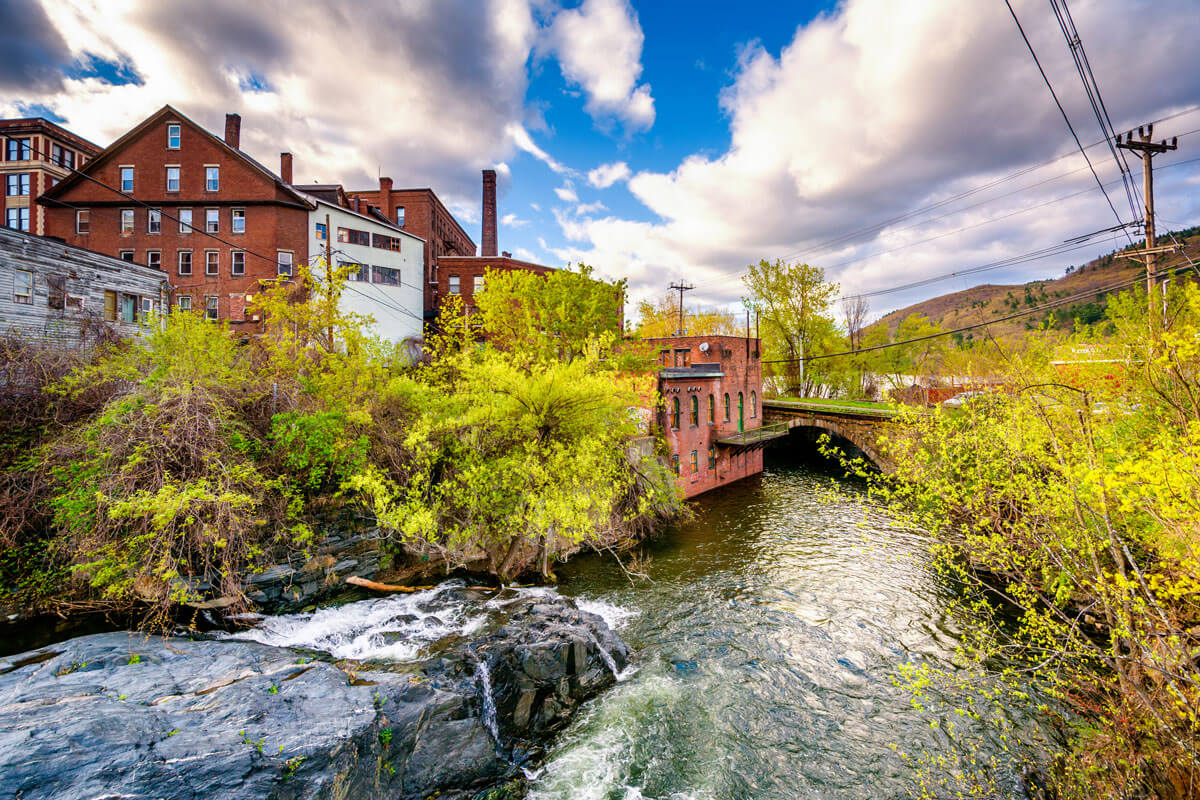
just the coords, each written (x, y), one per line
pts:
(659, 141)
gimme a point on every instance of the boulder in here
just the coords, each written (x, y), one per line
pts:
(130, 716)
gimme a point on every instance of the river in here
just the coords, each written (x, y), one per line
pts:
(768, 633)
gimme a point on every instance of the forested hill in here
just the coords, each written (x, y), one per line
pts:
(992, 301)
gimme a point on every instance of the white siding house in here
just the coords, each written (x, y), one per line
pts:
(391, 263)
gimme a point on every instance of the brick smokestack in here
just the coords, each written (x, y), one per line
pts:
(285, 167)
(233, 130)
(489, 213)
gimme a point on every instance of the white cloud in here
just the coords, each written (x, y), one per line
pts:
(589, 208)
(512, 221)
(521, 138)
(567, 193)
(870, 112)
(606, 175)
(599, 47)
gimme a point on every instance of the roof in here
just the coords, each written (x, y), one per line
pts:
(376, 218)
(426, 190)
(329, 192)
(38, 124)
(77, 256)
(166, 111)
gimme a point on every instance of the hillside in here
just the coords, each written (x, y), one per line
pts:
(992, 301)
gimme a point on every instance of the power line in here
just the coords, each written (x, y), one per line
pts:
(1066, 119)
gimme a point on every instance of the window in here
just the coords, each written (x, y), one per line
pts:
(185, 220)
(23, 287)
(478, 287)
(126, 221)
(683, 357)
(322, 232)
(185, 302)
(695, 461)
(753, 405)
(675, 413)
(126, 255)
(154, 220)
(712, 458)
(388, 276)
(694, 414)
(675, 465)
(212, 262)
(237, 263)
(126, 179)
(237, 220)
(712, 410)
(154, 259)
(129, 308)
(174, 135)
(185, 262)
(352, 236)
(18, 185)
(385, 242)
(400, 216)
(212, 179)
(212, 220)
(82, 220)
(147, 306)
(62, 157)
(284, 261)
(172, 179)
(454, 287)
(212, 307)
(110, 305)
(56, 292)
(20, 149)
(727, 406)
(17, 218)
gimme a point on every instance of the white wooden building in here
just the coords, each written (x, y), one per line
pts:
(55, 292)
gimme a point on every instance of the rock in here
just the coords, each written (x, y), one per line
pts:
(123, 715)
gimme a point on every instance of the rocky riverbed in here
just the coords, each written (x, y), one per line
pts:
(448, 691)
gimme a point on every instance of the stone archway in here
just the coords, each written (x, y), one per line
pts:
(864, 440)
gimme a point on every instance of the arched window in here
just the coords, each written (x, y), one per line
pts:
(753, 405)
(694, 416)
(712, 410)
(675, 412)
(741, 411)
(727, 406)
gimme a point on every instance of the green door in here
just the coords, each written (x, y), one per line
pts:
(741, 414)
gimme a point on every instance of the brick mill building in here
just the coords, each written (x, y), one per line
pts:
(35, 154)
(170, 195)
(711, 417)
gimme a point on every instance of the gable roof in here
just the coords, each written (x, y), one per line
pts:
(166, 112)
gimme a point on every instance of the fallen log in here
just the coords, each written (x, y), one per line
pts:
(391, 587)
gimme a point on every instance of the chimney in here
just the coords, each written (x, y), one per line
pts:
(385, 192)
(233, 130)
(489, 213)
(285, 167)
(354, 204)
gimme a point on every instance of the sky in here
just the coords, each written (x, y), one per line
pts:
(663, 141)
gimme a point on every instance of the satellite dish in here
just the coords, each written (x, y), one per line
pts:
(704, 347)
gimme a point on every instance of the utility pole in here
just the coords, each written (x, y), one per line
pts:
(682, 287)
(1146, 150)
(329, 276)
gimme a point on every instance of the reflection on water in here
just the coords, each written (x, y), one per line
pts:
(768, 636)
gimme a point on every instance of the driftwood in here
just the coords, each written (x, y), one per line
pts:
(391, 587)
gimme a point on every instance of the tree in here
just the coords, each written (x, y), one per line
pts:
(660, 318)
(793, 305)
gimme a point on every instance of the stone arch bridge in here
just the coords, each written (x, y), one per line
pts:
(861, 426)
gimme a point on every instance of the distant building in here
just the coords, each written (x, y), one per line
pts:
(711, 389)
(57, 293)
(421, 213)
(35, 154)
(387, 284)
(213, 219)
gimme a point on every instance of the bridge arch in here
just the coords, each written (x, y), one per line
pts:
(860, 427)
(865, 444)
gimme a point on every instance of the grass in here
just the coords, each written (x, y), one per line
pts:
(825, 401)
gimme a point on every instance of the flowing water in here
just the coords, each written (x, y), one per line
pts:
(767, 639)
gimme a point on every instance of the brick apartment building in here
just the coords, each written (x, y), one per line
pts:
(170, 195)
(35, 154)
(711, 388)
(421, 213)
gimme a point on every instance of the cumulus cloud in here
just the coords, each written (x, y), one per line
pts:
(870, 112)
(589, 208)
(599, 47)
(513, 221)
(567, 193)
(606, 175)
(521, 138)
(32, 51)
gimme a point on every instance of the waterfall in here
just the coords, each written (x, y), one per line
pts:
(607, 656)
(484, 678)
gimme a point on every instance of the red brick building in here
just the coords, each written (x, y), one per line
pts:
(35, 154)
(465, 276)
(171, 195)
(421, 213)
(711, 388)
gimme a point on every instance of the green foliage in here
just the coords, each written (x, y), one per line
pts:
(320, 448)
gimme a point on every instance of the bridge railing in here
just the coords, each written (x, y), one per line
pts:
(828, 408)
(755, 435)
